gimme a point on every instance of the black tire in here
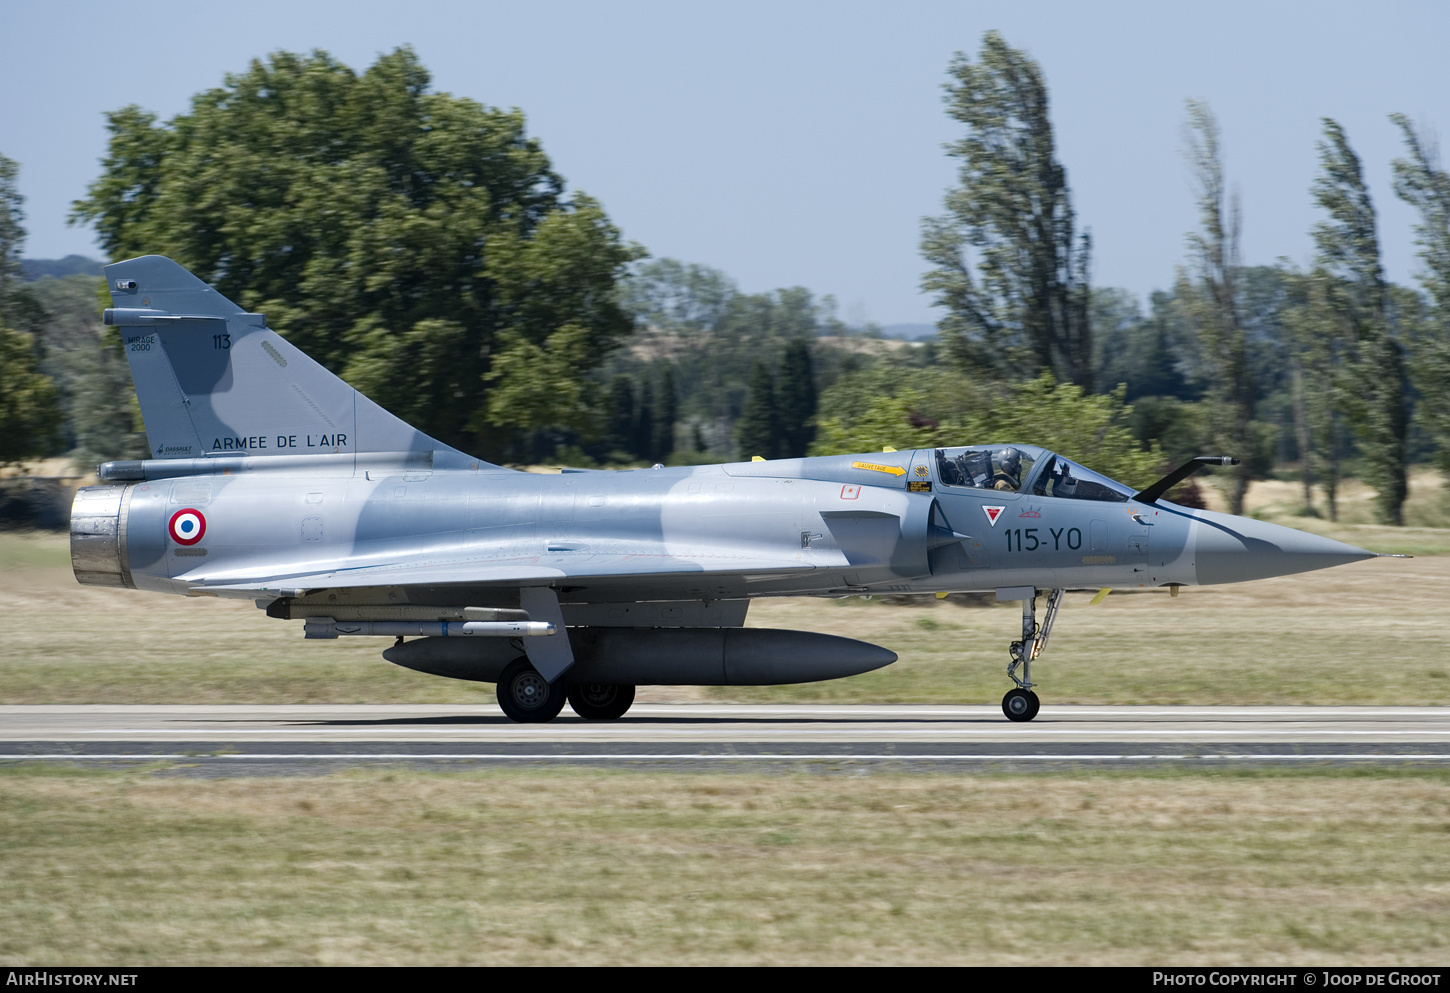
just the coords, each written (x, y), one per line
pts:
(526, 697)
(601, 701)
(1020, 705)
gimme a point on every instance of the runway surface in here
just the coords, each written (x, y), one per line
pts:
(244, 740)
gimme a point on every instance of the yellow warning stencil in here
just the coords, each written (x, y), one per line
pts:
(894, 470)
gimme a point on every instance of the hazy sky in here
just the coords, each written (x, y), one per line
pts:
(795, 143)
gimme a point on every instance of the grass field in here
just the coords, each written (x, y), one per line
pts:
(561, 866)
(1282, 500)
(582, 868)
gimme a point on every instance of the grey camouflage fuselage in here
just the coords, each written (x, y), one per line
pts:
(280, 483)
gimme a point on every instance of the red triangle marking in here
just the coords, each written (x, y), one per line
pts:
(993, 513)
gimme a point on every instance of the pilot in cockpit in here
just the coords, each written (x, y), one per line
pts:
(1009, 470)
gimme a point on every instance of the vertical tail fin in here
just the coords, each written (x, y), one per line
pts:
(211, 378)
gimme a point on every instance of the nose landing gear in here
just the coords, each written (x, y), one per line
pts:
(1022, 704)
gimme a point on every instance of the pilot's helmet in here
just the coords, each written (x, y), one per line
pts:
(1009, 459)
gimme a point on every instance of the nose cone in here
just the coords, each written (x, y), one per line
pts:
(1230, 549)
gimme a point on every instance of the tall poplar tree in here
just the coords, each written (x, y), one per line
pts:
(1422, 183)
(1347, 252)
(1208, 292)
(1322, 381)
(1025, 307)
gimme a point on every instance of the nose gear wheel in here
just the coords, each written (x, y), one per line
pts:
(1022, 704)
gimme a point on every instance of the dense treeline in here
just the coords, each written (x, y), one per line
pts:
(423, 247)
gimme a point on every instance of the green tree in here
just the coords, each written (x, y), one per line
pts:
(555, 316)
(694, 319)
(537, 385)
(930, 410)
(672, 296)
(1208, 293)
(1347, 253)
(758, 431)
(620, 411)
(1091, 429)
(644, 420)
(1422, 183)
(19, 307)
(1322, 382)
(1133, 350)
(102, 411)
(101, 419)
(667, 408)
(1026, 309)
(417, 242)
(795, 400)
(12, 233)
(30, 419)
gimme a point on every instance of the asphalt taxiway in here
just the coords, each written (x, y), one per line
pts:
(256, 740)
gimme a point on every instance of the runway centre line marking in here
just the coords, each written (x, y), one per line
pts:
(772, 732)
(499, 756)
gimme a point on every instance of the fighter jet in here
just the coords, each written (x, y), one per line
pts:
(275, 481)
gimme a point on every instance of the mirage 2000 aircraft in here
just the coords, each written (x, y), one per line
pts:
(275, 481)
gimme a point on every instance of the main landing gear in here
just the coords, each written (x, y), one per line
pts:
(601, 701)
(528, 698)
(1022, 704)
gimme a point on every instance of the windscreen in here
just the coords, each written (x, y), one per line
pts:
(1068, 480)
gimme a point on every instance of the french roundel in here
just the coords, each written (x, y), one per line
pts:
(187, 526)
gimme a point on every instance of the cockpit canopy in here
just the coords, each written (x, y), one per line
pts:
(987, 467)
(1024, 469)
